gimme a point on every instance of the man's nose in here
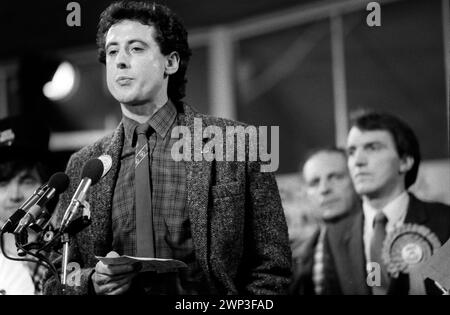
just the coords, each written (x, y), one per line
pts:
(324, 187)
(359, 158)
(122, 60)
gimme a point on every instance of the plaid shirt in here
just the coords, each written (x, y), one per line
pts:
(171, 221)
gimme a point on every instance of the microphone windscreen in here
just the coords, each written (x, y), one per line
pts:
(93, 169)
(107, 163)
(59, 181)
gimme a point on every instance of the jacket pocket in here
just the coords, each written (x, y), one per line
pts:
(227, 225)
(227, 190)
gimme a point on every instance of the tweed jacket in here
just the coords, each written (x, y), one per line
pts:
(238, 226)
(344, 243)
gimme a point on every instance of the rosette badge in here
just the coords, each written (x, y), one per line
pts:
(408, 246)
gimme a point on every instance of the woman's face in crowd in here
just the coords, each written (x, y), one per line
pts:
(14, 191)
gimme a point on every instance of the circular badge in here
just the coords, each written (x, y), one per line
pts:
(412, 253)
(406, 246)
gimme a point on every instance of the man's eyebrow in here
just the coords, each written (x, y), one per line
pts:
(111, 44)
(131, 41)
(376, 142)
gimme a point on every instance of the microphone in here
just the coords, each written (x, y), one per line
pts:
(92, 172)
(56, 185)
(14, 219)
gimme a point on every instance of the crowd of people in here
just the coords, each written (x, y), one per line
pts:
(362, 195)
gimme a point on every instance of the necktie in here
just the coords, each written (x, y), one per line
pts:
(145, 246)
(318, 267)
(376, 246)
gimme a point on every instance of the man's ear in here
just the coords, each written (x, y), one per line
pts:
(406, 163)
(172, 63)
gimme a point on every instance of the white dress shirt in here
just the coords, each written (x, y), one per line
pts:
(395, 211)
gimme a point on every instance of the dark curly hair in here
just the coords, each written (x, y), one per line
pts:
(404, 137)
(9, 169)
(170, 35)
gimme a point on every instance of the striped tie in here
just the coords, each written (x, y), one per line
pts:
(145, 246)
(318, 266)
(376, 247)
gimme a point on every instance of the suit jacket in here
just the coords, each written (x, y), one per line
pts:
(303, 252)
(238, 226)
(303, 263)
(345, 245)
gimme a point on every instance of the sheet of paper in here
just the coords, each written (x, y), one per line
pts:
(159, 265)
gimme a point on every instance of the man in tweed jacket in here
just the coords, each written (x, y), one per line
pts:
(237, 226)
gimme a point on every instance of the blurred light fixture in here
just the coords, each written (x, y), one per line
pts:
(62, 84)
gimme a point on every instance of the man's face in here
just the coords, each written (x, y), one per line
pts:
(328, 184)
(375, 166)
(14, 191)
(135, 66)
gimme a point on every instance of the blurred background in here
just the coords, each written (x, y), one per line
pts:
(302, 65)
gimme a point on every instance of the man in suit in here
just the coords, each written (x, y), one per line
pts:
(222, 218)
(383, 159)
(330, 190)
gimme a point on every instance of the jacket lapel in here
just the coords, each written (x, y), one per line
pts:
(198, 182)
(103, 194)
(416, 212)
(354, 247)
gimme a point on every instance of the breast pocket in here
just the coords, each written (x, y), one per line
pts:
(227, 190)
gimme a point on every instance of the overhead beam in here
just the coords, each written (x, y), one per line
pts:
(294, 16)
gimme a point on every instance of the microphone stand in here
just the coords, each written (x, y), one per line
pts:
(65, 239)
(48, 242)
(73, 228)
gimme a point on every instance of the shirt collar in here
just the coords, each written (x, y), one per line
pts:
(161, 122)
(395, 210)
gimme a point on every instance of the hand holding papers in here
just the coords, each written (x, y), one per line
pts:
(159, 265)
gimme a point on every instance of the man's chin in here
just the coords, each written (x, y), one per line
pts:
(334, 216)
(128, 101)
(132, 102)
(364, 189)
(329, 214)
(125, 97)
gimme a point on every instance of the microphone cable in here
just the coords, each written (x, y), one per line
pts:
(41, 260)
